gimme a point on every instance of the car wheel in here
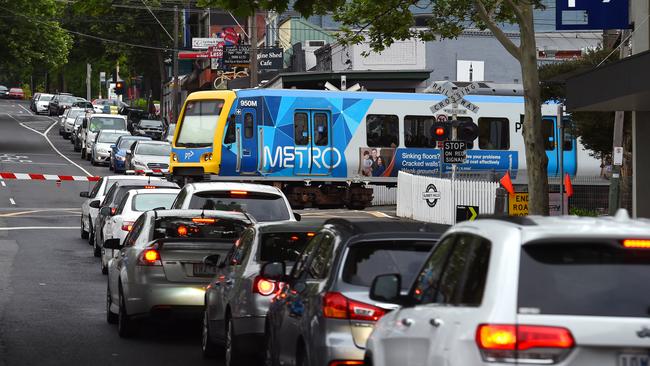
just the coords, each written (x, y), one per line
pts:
(301, 357)
(104, 267)
(91, 232)
(208, 347)
(232, 357)
(83, 153)
(269, 355)
(125, 325)
(97, 251)
(367, 359)
(111, 317)
(84, 233)
(93, 161)
(76, 148)
(110, 166)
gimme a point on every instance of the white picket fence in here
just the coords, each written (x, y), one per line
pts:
(383, 196)
(435, 200)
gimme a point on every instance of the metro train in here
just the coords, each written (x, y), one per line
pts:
(324, 147)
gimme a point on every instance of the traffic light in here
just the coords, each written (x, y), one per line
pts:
(119, 88)
(440, 131)
(467, 131)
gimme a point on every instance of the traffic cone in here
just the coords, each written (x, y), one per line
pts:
(506, 182)
(567, 185)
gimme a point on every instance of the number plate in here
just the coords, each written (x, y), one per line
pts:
(203, 270)
(631, 359)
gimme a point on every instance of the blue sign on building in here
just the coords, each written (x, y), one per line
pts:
(592, 14)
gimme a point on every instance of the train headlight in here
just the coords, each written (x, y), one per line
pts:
(207, 156)
(174, 157)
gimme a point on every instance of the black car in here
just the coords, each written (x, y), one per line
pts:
(323, 313)
(113, 196)
(150, 128)
(82, 103)
(60, 103)
(4, 92)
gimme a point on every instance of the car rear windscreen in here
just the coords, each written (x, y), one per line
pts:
(591, 279)
(146, 202)
(198, 228)
(106, 123)
(367, 260)
(263, 207)
(282, 247)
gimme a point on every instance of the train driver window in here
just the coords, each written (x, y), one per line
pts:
(301, 128)
(382, 130)
(248, 125)
(493, 133)
(548, 131)
(230, 131)
(417, 131)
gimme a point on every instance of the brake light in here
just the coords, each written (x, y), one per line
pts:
(238, 193)
(150, 257)
(263, 287)
(337, 306)
(149, 187)
(113, 210)
(182, 230)
(294, 237)
(311, 234)
(127, 225)
(523, 343)
(637, 243)
(203, 220)
(348, 362)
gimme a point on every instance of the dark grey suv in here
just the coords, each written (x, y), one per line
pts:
(323, 315)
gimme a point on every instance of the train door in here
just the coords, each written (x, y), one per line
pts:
(313, 141)
(247, 150)
(550, 133)
(570, 153)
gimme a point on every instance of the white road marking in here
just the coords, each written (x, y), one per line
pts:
(2, 182)
(380, 214)
(39, 228)
(12, 201)
(44, 134)
(28, 111)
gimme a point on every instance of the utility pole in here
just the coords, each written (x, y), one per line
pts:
(89, 70)
(617, 147)
(253, 65)
(175, 100)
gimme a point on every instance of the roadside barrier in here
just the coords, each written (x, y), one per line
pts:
(59, 178)
(443, 201)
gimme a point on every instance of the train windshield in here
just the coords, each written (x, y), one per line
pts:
(199, 123)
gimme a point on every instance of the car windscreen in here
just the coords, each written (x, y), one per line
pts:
(106, 123)
(150, 123)
(198, 227)
(199, 123)
(75, 112)
(67, 99)
(145, 202)
(590, 279)
(123, 190)
(367, 260)
(110, 137)
(283, 247)
(125, 143)
(153, 149)
(45, 98)
(263, 207)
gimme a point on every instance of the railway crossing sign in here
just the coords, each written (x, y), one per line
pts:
(441, 118)
(454, 95)
(454, 152)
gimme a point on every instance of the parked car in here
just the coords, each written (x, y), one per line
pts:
(96, 194)
(323, 315)
(144, 155)
(82, 103)
(4, 92)
(117, 161)
(524, 291)
(101, 151)
(169, 133)
(42, 103)
(265, 203)
(238, 296)
(95, 123)
(134, 203)
(165, 263)
(16, 93)
(59, 103)
(32, 102)
(114, 196)
(67, 120)
(104, 106)
(75, 138)
(148, 127)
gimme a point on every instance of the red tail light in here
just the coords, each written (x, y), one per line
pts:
(203, 220)
(150, 257)
(523, 343)
(636, 243)
(337, 306)
(127, 225)
(344, 363)
(238, 193)
(264, 287)
(113, 210)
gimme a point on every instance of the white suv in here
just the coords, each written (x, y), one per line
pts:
(265, 203)
(525, 291)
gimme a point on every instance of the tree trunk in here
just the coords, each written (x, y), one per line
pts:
(536, 160)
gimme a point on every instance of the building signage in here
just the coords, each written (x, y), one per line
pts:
(431, 195)
(205, 43)
(591, 14)
(454, 152)
(236, 55)
(270, 58)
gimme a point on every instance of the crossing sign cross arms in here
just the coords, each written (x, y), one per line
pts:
(592, 14)
(454, 94)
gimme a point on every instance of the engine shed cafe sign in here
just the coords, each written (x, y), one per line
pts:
(270, 58)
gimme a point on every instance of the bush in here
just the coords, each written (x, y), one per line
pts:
(582, 212)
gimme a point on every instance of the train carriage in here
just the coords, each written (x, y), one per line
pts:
(324, 147)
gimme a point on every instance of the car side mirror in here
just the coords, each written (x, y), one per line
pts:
(128, 152)
(212, 260)
(84, 123)
(106, 211)
(297, 216)
(112, 244)
(386, 288)
(113, 146)
(94, 204)
(274, 271)
(84, 194)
